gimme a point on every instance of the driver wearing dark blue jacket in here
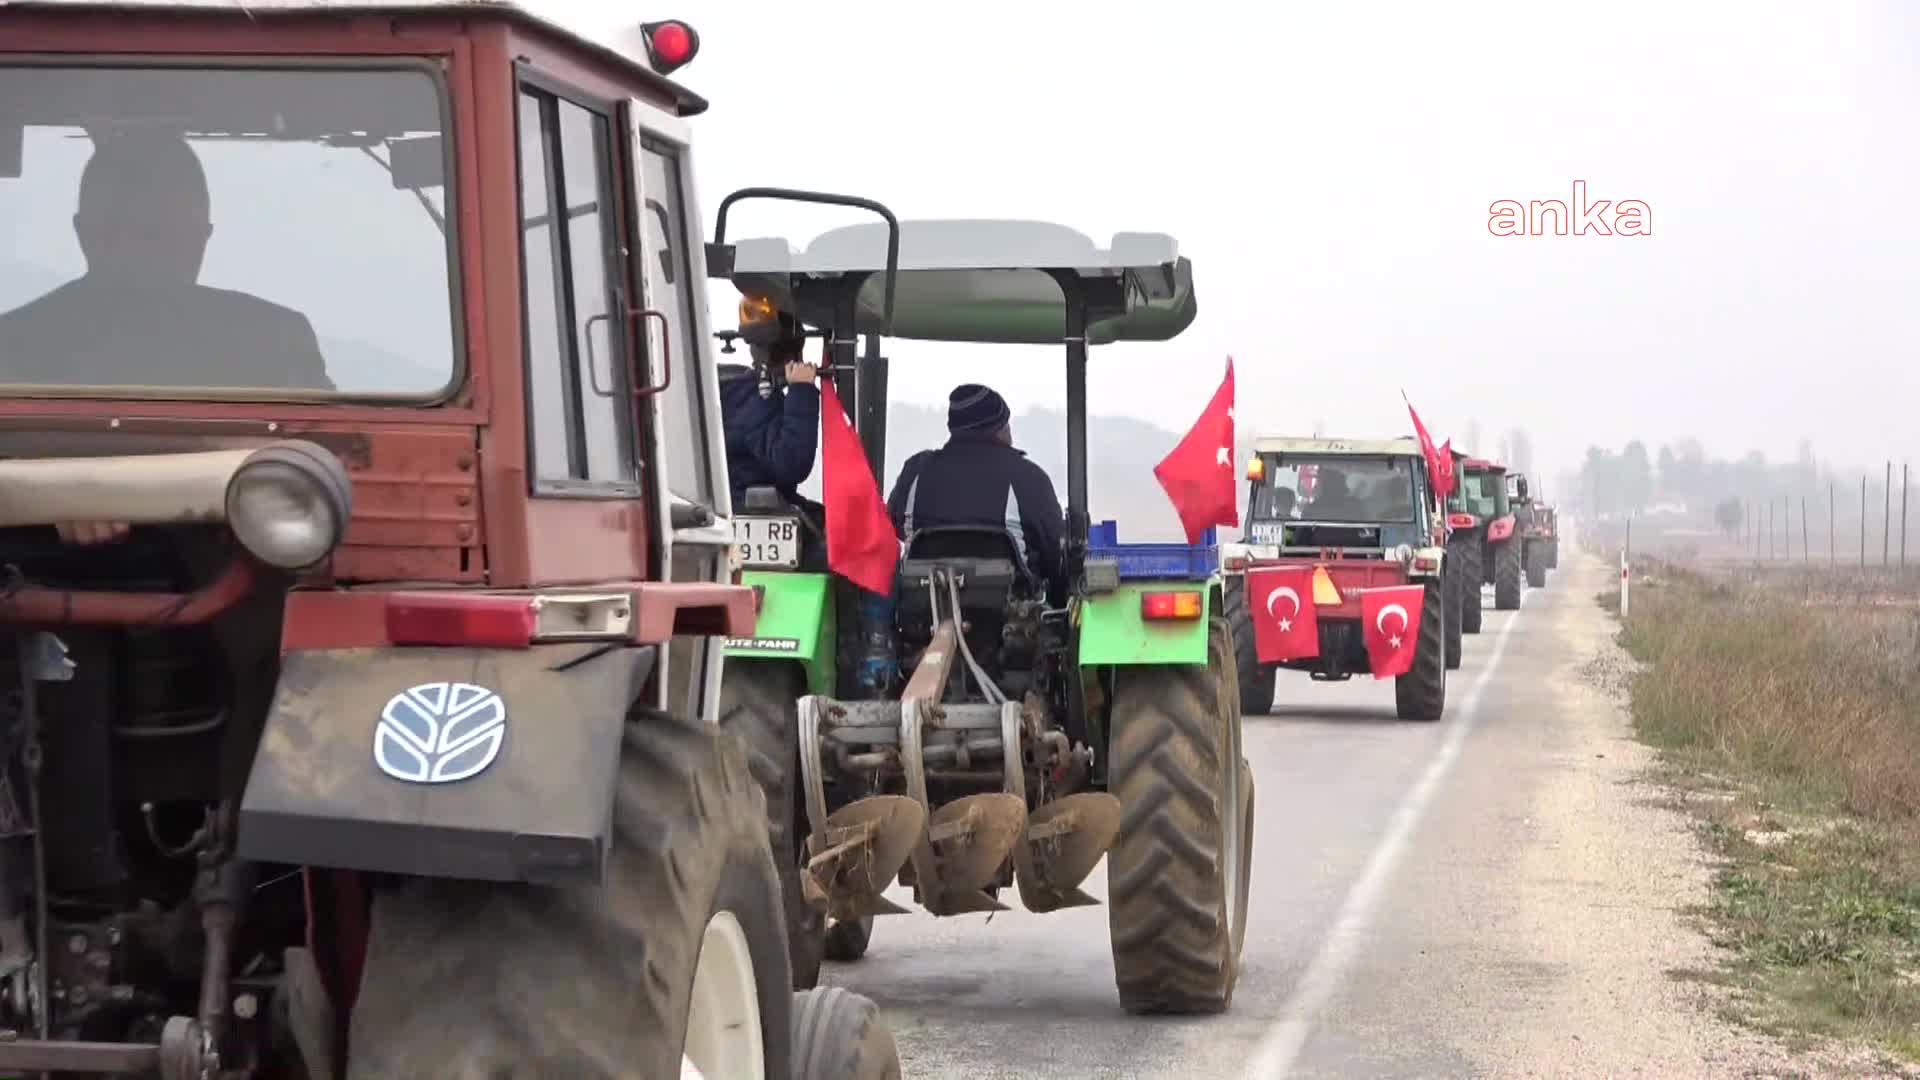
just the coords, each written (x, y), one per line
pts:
(771, 438)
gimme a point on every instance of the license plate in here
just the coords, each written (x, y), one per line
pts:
(767, 541)
(1269, 533)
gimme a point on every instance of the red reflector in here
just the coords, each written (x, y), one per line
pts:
(1425, 562)
(670, 44)
(488, 622)
(1162, 606)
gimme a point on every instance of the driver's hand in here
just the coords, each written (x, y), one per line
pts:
(92, 532)
(800, 373)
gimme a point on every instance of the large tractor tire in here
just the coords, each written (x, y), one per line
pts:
(847, 941)
(1553, 554)
(1421, 694)
(679, 950)
(1177, 876)
(758, 705)
(1536, 564)
(1256, 682)
(1506, 575)
(1453, 587)
(837, 1035)
(1465, 550)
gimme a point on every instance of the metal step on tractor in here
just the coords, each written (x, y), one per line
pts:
(981, 729)
(366, 583)
(1482, 533)
(1348, 516)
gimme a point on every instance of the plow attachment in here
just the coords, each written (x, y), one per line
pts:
(967, 842)
(856, 855)
(1065, 840)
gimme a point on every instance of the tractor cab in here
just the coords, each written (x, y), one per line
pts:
(1482, 492)
(983, 727)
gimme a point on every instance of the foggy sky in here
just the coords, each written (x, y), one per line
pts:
(1329, 167)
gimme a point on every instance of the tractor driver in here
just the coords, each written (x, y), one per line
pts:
(979, 478)
(770, 413)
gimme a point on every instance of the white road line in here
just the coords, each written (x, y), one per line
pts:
(1275, 1056)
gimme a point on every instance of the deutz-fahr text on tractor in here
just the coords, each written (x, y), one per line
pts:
(366, 544)
(984, 728)
(1344, 570)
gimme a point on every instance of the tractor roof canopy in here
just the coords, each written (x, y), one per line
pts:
(1402, 447)
(1474, 464)
(995, 281)
(624, 46)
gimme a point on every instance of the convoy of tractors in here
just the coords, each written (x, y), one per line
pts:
(365, 727)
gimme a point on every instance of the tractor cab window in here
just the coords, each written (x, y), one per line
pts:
(259, 231)
(1337, 488)
(1483, 494)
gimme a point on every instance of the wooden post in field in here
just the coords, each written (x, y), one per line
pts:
(1833, 552)
(1806, 547)
(1786, 525)
(1863, 521)
(1886, 519)
(1903, 515)
(1626, 567)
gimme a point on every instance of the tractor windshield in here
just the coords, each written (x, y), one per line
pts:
(261, 231)
(1336, 488)
(1483, 494)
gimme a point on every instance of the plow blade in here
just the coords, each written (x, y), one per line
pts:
(967, 842)
(856, 855)
(1064, 841)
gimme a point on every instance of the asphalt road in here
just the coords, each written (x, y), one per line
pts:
(1423, 895)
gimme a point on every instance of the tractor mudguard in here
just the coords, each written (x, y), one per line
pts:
(1500, 528)
(1113, 631)
(795, 622)
(484, 764)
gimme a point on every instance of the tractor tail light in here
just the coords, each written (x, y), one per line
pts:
(490, 622)
(1170, 606)
(1426, 563)
(671, 44)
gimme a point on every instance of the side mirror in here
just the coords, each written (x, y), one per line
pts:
(418, 163)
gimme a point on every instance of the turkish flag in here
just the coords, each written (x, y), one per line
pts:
(1286, 625)
(1390, 626)
(1198, 474)
(1439, 458)
(861, 545)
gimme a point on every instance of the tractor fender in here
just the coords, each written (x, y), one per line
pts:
(1114, 630)
(1500, 528)
(794, 621)
(483, 764)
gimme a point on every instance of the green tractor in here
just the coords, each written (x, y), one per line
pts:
(972, 733)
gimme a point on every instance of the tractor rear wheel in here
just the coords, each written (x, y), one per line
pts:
(1421, 694)
(678, 951)
(1452, 587)
(758, 704)
(1506, 574)
(1536, 564)
(1177, 876)
(1553, 554)
(1466, 551)
(1256, 682)
(837, 1035)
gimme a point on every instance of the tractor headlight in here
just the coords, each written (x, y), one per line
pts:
(1404, 553)
(288, 504)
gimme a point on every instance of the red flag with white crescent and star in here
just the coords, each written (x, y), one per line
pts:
(1390, 627)
(1286, 625)
(1198, 473)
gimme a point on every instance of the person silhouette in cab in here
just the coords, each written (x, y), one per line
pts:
(138, 316)
(978, 478)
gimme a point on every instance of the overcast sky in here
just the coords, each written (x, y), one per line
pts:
(1329, 168)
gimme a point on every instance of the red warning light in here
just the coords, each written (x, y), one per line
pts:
(670, 44)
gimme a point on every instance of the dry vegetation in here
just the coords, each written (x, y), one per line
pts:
(1790, 709)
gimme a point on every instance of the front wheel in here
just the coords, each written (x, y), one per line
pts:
(1421, 694)
(1256, 682)
(1452, 585)
(1466, 551)
(678, 956)
(1536, 564)
(1177, 876)
(837, 1035)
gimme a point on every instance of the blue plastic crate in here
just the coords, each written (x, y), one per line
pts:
(1185, 562)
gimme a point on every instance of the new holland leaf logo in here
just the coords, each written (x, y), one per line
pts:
(436, 733)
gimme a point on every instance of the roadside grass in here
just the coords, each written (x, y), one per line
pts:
(1792, 733)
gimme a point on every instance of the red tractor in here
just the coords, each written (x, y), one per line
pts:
(1345, 570)
(366, 537)
(1481, 535)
